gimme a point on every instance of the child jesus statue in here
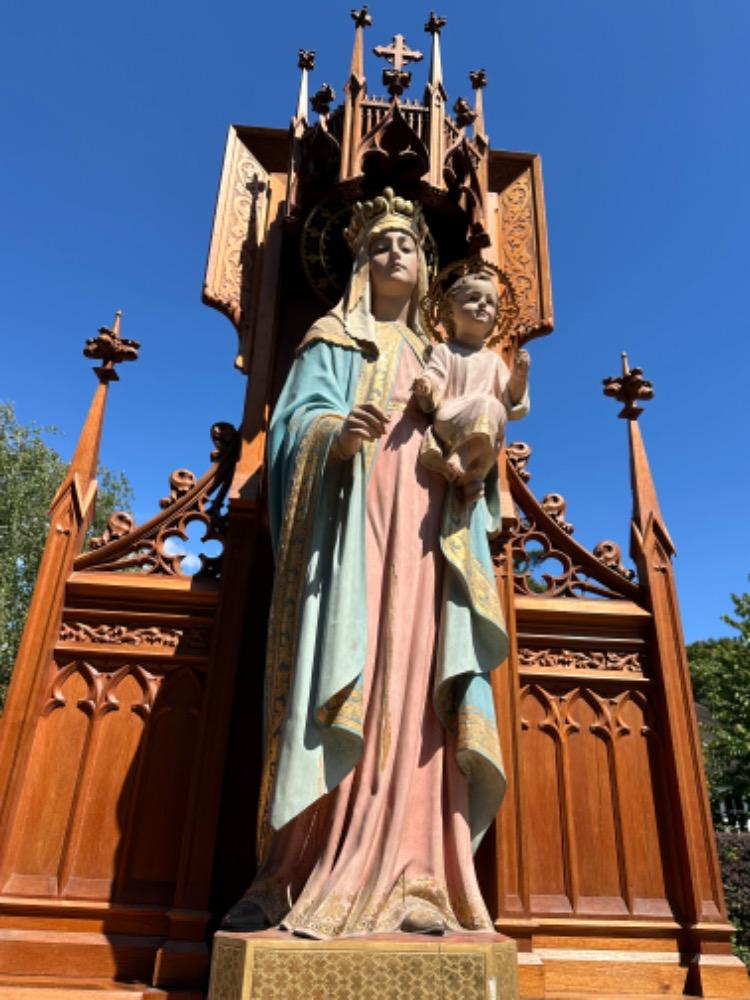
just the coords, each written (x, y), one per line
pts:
(468, 387)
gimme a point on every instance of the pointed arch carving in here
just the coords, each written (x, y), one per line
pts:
(190, 500)
(393, 148)
(543, 528)
(56, 697)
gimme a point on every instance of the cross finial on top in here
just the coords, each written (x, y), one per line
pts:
(435, 24)
(398, 54)
(628, 388)
(362, 17)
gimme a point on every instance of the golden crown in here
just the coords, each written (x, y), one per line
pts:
(388, 207)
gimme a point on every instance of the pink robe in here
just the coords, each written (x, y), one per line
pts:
(394, 835)
(471, 403)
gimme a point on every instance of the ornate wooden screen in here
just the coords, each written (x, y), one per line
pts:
(130, 744)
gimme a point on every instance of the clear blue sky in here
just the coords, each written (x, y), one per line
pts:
(114, 118)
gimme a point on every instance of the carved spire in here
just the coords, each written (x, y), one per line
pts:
(111, 349)
(354, 90)
(478, 78)
(79, 484)
(305, 62)
(399, 55)
(70, 514)
(627, 388)
(434, 98)
(433, 27)
(362, 19)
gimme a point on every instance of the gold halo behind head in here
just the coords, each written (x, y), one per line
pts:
(436, 305)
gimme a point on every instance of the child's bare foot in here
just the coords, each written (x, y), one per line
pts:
(472, 489)
(454, 468)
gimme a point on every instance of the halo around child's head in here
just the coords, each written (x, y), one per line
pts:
(436, 305)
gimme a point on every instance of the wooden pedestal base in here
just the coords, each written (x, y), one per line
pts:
(633, 960)
(277, 966)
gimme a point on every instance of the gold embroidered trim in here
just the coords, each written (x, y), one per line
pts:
(315, 336)
(481, 427)
(418, 345)
(478, 734)
(376, 379)
(367, 912)
(457, 548)
(283, 624)
(345, 709)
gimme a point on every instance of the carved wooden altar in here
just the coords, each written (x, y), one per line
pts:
(129, 747)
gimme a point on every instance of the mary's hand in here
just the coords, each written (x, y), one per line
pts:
(364, 423)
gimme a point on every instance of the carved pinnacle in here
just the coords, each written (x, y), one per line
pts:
(322, 99)
(465, 114)
(628, 388)
(112, 349)
(306, 59)
(362, 18)
(435, 24)
(478, 78)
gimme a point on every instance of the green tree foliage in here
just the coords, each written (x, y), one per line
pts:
(734, 855)
(721, 681)
(30, 472)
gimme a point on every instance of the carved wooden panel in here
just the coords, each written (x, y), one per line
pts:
(238, 232)
(33, 857)
(518, 250)
(590, 786)
(101, 812)
(544, 792)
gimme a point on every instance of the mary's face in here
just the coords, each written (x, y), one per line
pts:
(394, 263)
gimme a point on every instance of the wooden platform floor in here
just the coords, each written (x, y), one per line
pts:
(46, 988)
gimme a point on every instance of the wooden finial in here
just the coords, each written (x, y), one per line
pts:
(306, 59)
(465, 115)
(627, 388)
(478, 78)
(305, 62)
(322, 100)
(398, 54)
(112, 349)
(362, 18)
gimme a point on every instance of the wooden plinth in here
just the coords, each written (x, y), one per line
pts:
(275, 966)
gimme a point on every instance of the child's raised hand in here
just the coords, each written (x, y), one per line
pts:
(521, 363)
(421, 386)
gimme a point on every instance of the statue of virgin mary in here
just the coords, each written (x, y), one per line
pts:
(382, 765)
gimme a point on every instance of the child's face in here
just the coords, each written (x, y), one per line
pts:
(474, 309)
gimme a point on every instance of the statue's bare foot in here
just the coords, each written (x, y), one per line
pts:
(245, 916)
(422, 920)
(473, 489)
(453, 467)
